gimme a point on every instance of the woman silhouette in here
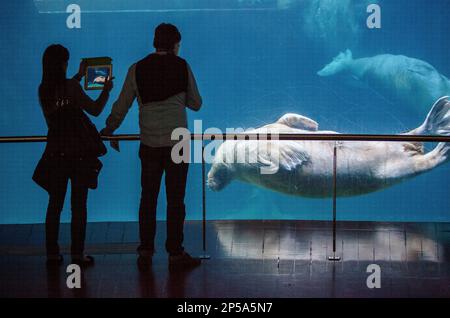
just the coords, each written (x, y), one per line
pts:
(72, 150)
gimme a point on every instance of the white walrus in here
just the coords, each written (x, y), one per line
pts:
(306, 167)
(398, 78)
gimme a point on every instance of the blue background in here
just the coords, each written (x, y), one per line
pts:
(254, 61)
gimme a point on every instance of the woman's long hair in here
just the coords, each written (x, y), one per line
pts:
(52, 87)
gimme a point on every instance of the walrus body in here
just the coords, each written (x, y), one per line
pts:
(400, 79)
(305, 168)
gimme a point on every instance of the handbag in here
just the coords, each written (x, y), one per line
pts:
(73, 142)
(51, 168)
(88, 169)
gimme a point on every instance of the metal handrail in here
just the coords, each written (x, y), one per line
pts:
(256, 136)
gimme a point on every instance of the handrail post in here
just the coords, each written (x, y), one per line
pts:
(204, 255)
(334, 257)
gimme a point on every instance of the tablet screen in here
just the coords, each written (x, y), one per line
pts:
(96, 76)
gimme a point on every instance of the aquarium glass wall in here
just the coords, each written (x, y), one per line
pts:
(352, 66)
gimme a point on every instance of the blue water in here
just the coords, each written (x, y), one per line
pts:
(254, 61)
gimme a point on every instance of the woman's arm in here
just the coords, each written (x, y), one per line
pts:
(81, 71)
(93, 107)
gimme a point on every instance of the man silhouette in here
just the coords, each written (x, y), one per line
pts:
(164, 85)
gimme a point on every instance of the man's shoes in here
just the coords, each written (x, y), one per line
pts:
(183, 261)
(144, 263)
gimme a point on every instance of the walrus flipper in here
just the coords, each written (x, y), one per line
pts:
(291, 156)
(299, 122)
(437, 121)
(287, 156)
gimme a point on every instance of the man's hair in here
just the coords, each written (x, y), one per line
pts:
(166, 36)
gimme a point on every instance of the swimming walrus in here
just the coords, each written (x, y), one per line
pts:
(403, 80)
(305, 168)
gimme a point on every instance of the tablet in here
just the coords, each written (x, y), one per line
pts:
(98, 69)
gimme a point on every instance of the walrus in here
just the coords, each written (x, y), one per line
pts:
(400, 79)
(305, 168)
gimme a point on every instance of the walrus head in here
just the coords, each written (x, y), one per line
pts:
(219, 176)
(222, 171)
(339, 64)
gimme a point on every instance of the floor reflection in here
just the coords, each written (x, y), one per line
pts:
(376, 243)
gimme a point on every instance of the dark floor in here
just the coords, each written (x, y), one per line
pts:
(248, 259)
